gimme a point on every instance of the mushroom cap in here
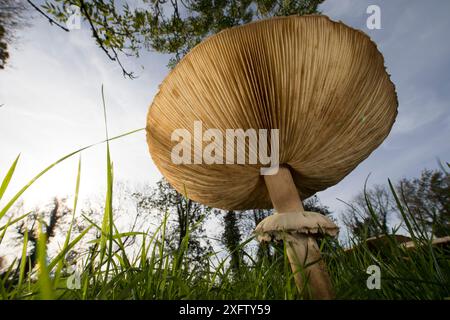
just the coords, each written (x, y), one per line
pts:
(306, 222)
(321, 83)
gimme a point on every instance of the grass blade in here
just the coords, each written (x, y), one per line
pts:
(44, 281)
(23, 260)
(69, 231)
(7, 178)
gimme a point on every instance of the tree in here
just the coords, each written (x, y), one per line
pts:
(51, 218)
(231, 239)
(189, 217)
(424, 200)
(428, 200)
(364, 221)
(11, 19)
(172, 27)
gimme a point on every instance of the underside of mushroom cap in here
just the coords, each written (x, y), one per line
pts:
(322, 84)
(275, 226)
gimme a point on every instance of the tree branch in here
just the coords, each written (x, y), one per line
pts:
(47, 16)
(96, 36)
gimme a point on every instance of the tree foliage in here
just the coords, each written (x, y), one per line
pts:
(426, 199)
(51, 218)
(187, 216)
(11, 19)
(231, 239)
(168, 26)
(363, 222)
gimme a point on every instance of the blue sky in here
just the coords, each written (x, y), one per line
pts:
(52, 102)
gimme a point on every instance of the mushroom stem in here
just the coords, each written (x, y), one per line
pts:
(302, 249)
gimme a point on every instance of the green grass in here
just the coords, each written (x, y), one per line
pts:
(422, 273)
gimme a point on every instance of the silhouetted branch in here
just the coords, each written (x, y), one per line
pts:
(115, 56)
(47, 16)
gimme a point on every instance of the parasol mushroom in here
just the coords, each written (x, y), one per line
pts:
(322, 84)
